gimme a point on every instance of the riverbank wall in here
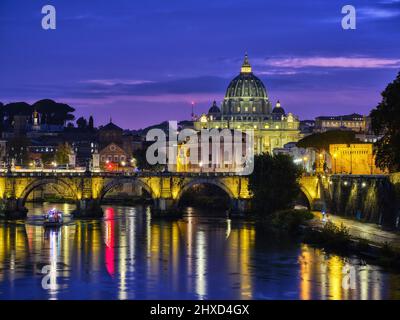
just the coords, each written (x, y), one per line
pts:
(369, 198)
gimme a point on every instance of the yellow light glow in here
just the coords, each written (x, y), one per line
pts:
(245, 69)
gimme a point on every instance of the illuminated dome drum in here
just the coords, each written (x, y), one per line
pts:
(246, 94)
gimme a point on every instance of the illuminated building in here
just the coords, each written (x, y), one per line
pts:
(246, 106)
(220, 156)
(113, 153)
(355, 122)
(352, 159)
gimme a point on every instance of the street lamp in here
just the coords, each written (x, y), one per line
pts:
(334, 158)
(304, 163)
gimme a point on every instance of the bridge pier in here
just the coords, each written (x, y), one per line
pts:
(12, 209)
(165, 207)
(318, 205)
(88, 208)
(240, 206)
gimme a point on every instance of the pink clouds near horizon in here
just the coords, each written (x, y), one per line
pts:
(333, 62)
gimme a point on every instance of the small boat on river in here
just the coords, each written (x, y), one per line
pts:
(53, 219)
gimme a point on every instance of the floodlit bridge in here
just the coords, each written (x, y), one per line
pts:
(89, 188)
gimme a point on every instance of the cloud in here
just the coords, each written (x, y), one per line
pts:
(378, 13)
(112, 82)
(334, 62)
(183, 86)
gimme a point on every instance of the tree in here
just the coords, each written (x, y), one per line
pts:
(62, 153)
(274, 183)
(321, 141)
(16, 108)
(54, 112)
(142, 163)
(385, 121)
(47, 158)
(82, 123)
(91, 123)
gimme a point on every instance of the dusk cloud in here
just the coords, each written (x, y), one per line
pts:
(334, 62)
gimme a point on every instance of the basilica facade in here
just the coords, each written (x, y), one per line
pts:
(246, 106)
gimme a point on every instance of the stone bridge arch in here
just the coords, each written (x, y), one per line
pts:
(36, 183)
(311, 188)
(120, 181)
(307, 195)
(197, 181)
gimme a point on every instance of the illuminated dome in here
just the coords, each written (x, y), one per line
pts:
(278, 109)
(246, 94)
(246, 84)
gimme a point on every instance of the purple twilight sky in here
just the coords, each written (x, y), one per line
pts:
(142, 62)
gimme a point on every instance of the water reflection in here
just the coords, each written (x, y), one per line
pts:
(325, 276)
(130, 255)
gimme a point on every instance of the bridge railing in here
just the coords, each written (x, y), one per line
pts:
(83, 172)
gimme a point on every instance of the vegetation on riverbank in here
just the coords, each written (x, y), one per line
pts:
(288, 220)
(337, 239)
(273, 183)
(331, 237)
(385, 120)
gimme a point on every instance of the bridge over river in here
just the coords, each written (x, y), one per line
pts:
(88, 188)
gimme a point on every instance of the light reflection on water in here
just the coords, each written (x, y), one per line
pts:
(130, 255)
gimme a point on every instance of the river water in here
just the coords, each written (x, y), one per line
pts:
(130, 255)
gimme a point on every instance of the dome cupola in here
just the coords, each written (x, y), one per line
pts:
(278, 109)
(246, 94)
(246, 84)
(214, 109)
